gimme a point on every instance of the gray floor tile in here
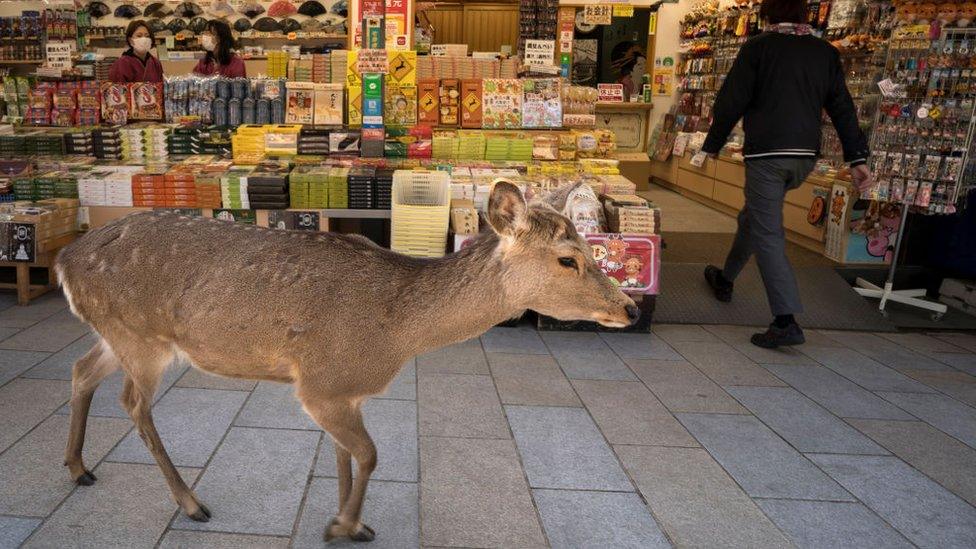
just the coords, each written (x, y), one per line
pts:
(597, 519)
(724, 365)
(33, 478)
(819, 524)
(674, 333)
(959, 385)
(255, 482)
(191, 423)
(520, 340)
(466, 357)
(804, 424)
(6, 331)
(695, 501)
(404, 385)
(896, 350)
(129, 506)
(758, 460)
(392, 424)
(583, 355)
(739, 338)
(683, 388)
(649, 346)
(965, 341)
(921, 343)
(836, 393)
(923, 511)
(198, 379)
(628, 413)
(390, 509)
(59, 364)
(14, 530)
(533, 380)
(819, 338)
(862, 370)
(274, 405)
(473, 494)
(962, 361)
(15, 363)
(49, 335)
(181, 539)
(453, 405)
(940, 411)
(562, 448)
(106, 400)
(26, 402)
(38, 310)
(941, 457)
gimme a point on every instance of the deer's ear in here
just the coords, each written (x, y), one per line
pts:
(506, 208)
(557, 198)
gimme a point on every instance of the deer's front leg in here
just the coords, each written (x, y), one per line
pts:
(344, 470)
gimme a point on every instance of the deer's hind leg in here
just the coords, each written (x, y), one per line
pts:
(343, 420)
(86, 374)
(144, 363)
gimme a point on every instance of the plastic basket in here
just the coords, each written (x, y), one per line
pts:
(421, 207)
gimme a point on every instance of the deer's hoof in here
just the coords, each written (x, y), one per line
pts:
(335, 529)
(364, 533)
(86, 478)
(202, 514)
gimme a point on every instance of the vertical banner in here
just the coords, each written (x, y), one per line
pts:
(398, 24)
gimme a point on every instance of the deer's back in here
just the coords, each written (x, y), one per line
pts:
(163, 271)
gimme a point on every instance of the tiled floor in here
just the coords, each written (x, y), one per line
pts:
(687, 437)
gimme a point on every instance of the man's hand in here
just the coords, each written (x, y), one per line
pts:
(862, 178)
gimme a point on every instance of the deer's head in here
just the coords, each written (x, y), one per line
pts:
(549, 268)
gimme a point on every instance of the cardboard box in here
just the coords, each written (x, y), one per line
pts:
(471, 103)
(449, 100)
(464, 217)
(428, 111)
(328, 104)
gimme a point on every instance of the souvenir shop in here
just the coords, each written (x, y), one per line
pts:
(911, 70)
(387, 118)
(392, 118)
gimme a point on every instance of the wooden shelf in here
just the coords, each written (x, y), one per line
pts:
(22, 62)
(339, 213)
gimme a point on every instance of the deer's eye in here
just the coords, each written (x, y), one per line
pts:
(568, 262)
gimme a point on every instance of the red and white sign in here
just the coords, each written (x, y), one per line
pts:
(372, 61)
(610, 93)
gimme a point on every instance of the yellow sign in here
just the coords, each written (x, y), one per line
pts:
(652, 24)
(623, 10)
(471, 102)
(402, 66)
(427, 102)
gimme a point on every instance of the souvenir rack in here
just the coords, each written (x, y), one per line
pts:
(923, 140)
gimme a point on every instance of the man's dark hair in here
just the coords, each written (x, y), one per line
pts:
(783, 11)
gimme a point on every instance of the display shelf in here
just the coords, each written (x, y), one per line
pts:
(21, 61)
(338, 213)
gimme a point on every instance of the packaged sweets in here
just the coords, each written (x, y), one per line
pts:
(449, 100)
(502, 103)
(115, 103)
(471, 103)
(299, 103)
(541, 106)
(586, 144)
(427, 91)
(328, 104)
(146, 101)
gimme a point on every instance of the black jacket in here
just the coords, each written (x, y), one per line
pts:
(780, 84)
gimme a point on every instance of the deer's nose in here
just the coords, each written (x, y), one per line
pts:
(633, 313)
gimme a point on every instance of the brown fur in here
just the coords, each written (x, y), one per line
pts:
(335, 315)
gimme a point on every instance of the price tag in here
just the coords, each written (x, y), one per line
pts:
(610, 93)
(596, 14)
(623, 10)
(58, 54)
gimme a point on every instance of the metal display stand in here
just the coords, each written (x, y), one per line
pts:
(925, 85)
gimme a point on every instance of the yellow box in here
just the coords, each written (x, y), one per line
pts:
(402, 67)
(354, 105)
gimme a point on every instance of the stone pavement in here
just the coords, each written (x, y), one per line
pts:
(686, 437)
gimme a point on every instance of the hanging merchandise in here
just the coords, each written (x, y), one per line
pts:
(312, 8)
(127, 11)
(267, 24)
(221, 8)
(157, 9)
(282, 8)
(252, 9)
(188, 10)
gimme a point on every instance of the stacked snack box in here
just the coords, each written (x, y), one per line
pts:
(148, 190)
(233, 187)
(338, 187)
(179, 188)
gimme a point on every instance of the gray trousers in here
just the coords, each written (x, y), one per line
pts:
(761, 229)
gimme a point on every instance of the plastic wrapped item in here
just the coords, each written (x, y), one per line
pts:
(262, 111)
(247, 110)
(234, 112)
(219, 107)
(277, 111)
(583, 208)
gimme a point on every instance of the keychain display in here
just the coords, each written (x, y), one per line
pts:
(925, 124)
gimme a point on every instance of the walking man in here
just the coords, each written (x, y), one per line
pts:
(779, 85)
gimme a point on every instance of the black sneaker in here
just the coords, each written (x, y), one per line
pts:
(779, 337)
(721, 287)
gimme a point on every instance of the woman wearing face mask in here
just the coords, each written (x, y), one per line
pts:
(220, 60)
(136, 64)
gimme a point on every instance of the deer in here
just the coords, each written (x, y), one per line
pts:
(310, 309)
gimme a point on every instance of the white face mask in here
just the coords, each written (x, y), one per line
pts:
(207, 42)
(141, 44)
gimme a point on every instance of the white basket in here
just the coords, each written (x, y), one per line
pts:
(421, 209)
